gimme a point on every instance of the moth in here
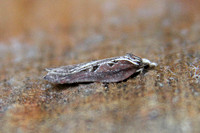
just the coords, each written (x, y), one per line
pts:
(114, 69)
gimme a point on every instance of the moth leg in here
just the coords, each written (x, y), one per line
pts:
(140, 70)
(105, 85)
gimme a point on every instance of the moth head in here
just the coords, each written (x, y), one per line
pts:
(148, 64)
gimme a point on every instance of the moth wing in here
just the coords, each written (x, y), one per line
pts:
(63, 69)
(116, 72)
(107, 72)
(48, 69)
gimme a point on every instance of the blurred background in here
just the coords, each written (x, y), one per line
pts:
(64, 19)
(36, 34)
(66, 24)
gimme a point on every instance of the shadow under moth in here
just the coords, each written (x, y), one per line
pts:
(114, 69)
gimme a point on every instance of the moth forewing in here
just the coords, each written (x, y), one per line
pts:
(116, 72)
(107, 70)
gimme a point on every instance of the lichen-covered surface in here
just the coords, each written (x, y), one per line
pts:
(39, 34)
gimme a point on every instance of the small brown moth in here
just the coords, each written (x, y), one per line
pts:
(107, 70)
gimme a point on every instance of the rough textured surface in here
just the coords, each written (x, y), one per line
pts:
(41, 34)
